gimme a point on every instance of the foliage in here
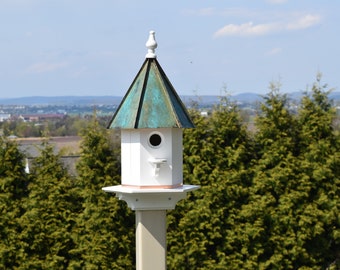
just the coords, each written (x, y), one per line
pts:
(13, 190)
(105, 225)
(50, 214)
(66, 126)
(266, 203)
(268, 200)
(320, 164)
(216, 156)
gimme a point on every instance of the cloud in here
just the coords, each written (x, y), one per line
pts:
(206, 11)
(277, 1)
(304, 22)
(246, 29)
(43, 67)
(251, 29)
(274, 51)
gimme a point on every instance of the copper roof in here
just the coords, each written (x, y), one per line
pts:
(151, 101)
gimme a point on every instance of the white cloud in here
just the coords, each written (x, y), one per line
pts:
(43, 67)
(274, 51)
(206, 11)
(277, 1)
(246, 29)
(251, 29)
(304, 22)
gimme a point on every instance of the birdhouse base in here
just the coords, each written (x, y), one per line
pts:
(153, 187)
(152, 198)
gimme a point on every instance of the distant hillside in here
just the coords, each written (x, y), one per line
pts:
(62, 100)
(115, 100)
(247, 97)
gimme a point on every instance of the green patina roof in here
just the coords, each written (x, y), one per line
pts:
(151, 102)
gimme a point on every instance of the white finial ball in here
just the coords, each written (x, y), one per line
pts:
(151, 44)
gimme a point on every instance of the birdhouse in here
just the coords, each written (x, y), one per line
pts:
(151, 118)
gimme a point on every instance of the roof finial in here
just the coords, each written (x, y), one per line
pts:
(151, 44)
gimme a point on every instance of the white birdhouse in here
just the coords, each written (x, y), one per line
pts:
(151, 118)
(152, 158)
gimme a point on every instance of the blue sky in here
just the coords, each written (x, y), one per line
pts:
(82, 47)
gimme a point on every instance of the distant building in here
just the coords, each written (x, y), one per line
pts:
(40, 117)
(69, 147)
(337, 110)
(4, 117)
(204, 113)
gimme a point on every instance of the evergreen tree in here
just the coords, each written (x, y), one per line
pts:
(105, 226)
(216, 155)
(13, 190)
(50, 210)
(264, 237)
(291, 220)
(318, 218)
(277, 127)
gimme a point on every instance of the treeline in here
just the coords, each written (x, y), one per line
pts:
(269, 199)
(52, 220)
(66, 126)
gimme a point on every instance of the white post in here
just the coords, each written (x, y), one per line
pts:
(151, 206)
(151, 239)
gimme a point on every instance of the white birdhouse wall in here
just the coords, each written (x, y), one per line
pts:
(152, 157)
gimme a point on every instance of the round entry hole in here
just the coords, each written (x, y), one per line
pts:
(155, 140)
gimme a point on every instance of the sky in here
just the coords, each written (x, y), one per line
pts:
(96, 48)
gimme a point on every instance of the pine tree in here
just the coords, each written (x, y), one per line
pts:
(318, 218)
(277, 127)
(50, 214)
(13, 190)
(291, 220)
(216, 156)
(105, 226)
(264, 236)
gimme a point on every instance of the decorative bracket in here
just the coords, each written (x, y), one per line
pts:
(157, 162)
